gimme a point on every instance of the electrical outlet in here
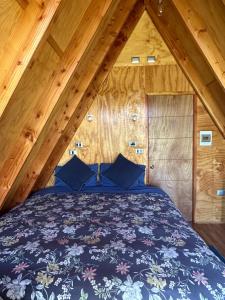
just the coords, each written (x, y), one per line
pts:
(139, 151)
(72, 152)
(220, 193)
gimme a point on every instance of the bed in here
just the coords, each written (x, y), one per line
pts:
(104, 243)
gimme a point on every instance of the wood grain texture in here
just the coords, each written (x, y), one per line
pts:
(67, 104)
(205, 20)
(210, 172)
(171, 127)
(171, 147)
(190, 58)
(25, 140)
(91, 92)
(145, 41)
(67, 22)
(166, 79)
(24, 34)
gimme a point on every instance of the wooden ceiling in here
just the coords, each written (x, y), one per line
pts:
(56, 53)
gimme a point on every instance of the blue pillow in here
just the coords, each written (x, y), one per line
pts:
(74, 173)
(104, 181)
(123, 172)
(92, 181)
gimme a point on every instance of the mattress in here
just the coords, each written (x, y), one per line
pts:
(129, 245)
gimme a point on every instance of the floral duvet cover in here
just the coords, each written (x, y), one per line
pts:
(105, 246)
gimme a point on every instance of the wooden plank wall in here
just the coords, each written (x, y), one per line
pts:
(170, 147)
(210, 172)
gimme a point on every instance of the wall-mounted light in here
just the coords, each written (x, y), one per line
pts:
(135, 60)
(90, 117)
(151, 59)
(134, 117)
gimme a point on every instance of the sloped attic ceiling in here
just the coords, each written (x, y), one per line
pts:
(53, 90)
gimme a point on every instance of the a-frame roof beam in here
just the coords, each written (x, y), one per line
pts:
(205, 20)
(89, 96)
(188, 55)
(97, 12)
(31, 31)
(69, 100)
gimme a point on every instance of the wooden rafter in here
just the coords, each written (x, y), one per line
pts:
(25, 40)
(79, 96)
(190, 58)
(202, 21)
(97, 12)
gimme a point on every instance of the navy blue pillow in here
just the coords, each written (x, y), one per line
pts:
(75, 173)
(104, 181)
(92, 181)
(123, 172)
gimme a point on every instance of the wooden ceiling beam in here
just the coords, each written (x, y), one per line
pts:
(77, 98)
(97, 12)
(206, 22)
(23, 43)
(189, 57)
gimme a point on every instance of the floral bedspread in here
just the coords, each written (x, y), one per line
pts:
(105, 246)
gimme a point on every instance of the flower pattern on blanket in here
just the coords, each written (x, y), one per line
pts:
(105, 246)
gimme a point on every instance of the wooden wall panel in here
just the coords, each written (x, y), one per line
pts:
(210, 171)
(123, 94)
(144, 41)
(166, 80)
(171, 125)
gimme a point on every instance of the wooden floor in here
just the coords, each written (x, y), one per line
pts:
(213, 234)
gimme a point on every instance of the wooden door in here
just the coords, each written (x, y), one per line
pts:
(171, 147)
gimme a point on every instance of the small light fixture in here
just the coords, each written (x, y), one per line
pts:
(135, 60)
(151, 59)
(134, 117)
(90, 117)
